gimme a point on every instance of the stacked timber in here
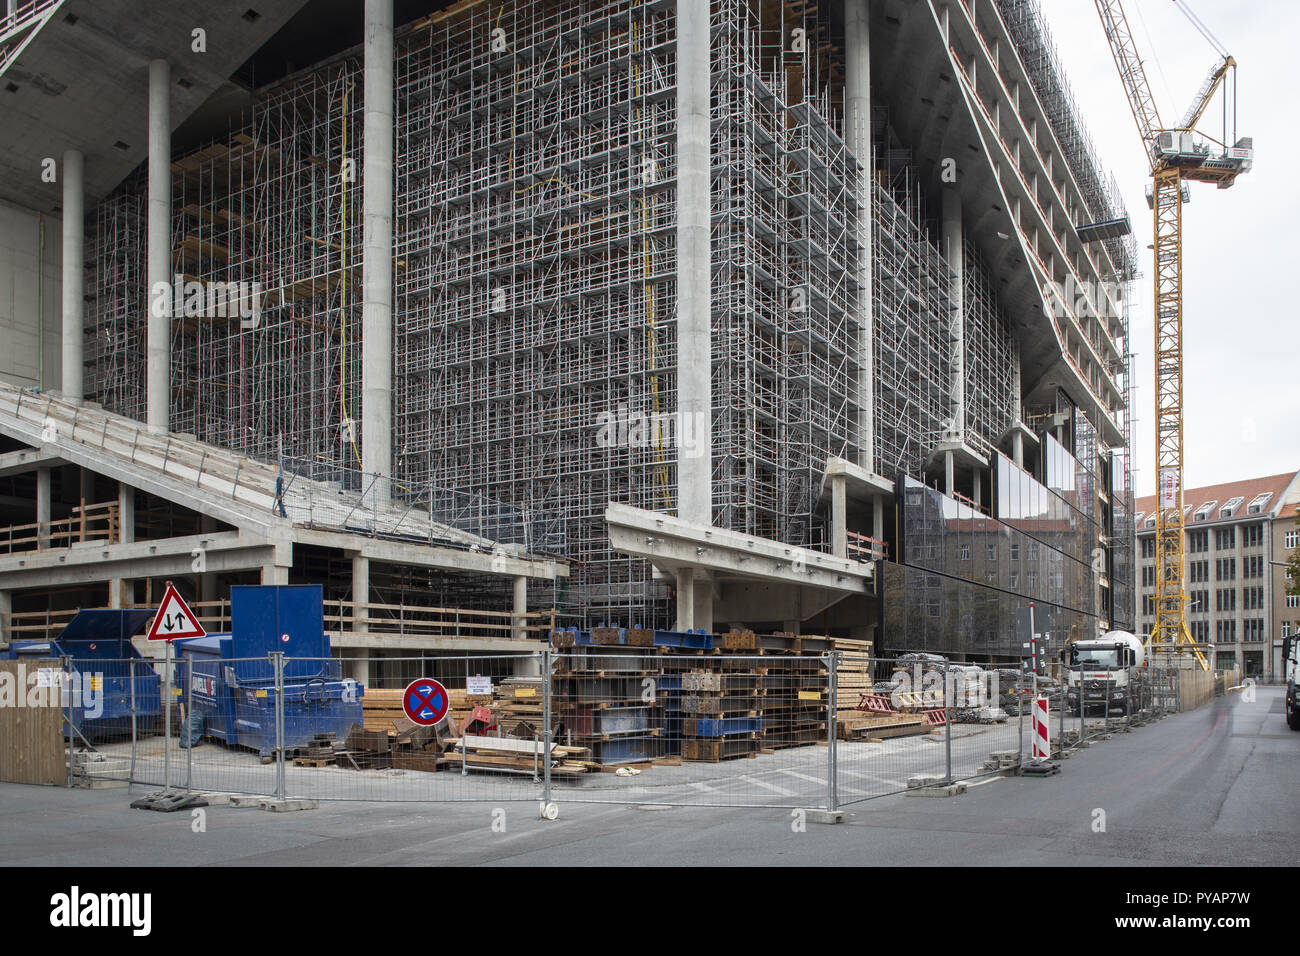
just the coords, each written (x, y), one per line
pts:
(476, 752)
(517, 706)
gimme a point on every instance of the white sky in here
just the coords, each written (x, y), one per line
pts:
(1241, 341)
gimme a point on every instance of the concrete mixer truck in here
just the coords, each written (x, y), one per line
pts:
(1104, 671)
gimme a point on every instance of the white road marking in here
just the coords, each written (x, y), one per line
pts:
(804, 776)
(769, 786)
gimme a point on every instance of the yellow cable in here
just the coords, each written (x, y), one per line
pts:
(343, 305)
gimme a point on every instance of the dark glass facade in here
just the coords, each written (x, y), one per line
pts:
(962, 575)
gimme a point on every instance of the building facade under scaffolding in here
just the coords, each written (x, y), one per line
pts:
(801, 316)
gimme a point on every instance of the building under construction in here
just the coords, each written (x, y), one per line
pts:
(803, 316)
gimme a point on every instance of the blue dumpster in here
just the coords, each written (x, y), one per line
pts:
(103, 660)
(233, 681)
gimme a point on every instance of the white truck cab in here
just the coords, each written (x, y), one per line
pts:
(1102, 670)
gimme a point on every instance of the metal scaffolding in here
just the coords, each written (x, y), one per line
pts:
(535, 340)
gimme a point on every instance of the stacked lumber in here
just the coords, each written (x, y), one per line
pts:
(518, 700)
(861, 725)
(475, 752)
(854, 675)
(380, 707)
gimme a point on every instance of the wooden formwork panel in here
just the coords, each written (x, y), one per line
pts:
(31, 737)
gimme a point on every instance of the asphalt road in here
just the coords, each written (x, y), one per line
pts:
(1217, 786)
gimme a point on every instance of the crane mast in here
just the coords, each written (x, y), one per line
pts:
(1174, 155)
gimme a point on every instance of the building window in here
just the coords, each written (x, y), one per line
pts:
(1225, 539)
(1252, 536)
(1225, 569)
(1149, 576)
(1148, 605)
(1292, 540)
(1293, 600)
(1198, 541)
(1148, 547)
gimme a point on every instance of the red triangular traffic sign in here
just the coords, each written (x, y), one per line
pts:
(174, 618)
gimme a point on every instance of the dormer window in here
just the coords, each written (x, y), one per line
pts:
(1227, 510)
(1257, 505)
(1204, 510)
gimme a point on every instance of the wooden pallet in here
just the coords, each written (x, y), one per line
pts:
(713, 749)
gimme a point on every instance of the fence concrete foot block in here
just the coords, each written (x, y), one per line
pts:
(295, 803)
(824, 816)
(914, 783)
(945, 790)
(272, 804)
(217, 799)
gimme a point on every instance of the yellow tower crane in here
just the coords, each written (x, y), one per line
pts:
(1176, 155)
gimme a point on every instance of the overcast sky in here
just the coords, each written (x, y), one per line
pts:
(1241, 337)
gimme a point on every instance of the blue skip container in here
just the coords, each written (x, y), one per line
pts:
(104, 664)
(232, 681)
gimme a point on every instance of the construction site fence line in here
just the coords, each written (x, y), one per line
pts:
(612, 724)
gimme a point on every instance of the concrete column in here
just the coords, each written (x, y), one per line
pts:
(74, 258)
(704, 604)
(878, 518)
(520, 608)
(359, 665)
(1018, 449)
(275, 574)
(126, 513)
(87, 486)
(360, 591)
(685, 599)
(977, 488)
(839, 526)
(6, 614)
(159, 298)
(121, 591)
(857, 135)
(952, 251)
(377, 247)
(948, 476)
(790, 627)
(694, 286)
(527, 667)
(43, 507)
